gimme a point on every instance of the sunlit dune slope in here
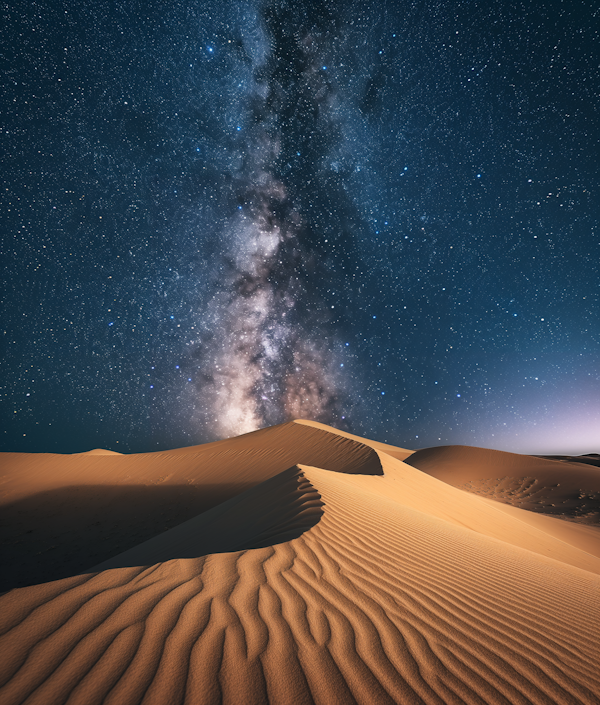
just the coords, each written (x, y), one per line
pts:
(566, 490)
(317, 586)
(71, 511)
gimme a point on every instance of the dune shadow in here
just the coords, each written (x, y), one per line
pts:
(62, 532)
(277, 510)
(589, 459)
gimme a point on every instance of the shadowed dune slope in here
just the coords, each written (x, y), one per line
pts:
(565, 490)
(389, 588)
(71, 511)
(279, 509)
(394, 451)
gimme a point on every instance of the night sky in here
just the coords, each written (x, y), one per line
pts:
(217, 216)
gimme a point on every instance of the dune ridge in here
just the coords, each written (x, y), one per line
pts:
(317, 586)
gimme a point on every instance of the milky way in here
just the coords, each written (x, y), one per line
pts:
(220, 216)
(267, 357)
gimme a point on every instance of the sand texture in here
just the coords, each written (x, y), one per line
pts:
(310, 566)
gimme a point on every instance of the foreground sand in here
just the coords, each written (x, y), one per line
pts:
(320, 568)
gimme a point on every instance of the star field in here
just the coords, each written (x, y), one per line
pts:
(381, 216)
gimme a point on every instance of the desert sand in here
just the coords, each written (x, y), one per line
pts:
(299, 564)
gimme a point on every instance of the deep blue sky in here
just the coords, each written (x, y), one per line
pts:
(218, 216)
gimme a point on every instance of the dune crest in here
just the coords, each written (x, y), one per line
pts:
(394, 451)
(318, 586)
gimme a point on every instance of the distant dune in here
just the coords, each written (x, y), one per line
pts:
(567, 489)
(299, 564)
(100, 451)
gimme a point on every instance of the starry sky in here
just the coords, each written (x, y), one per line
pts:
(383, 216)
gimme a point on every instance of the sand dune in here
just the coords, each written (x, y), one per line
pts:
(563, 489)
(364, 581)
(99, 451)
(73, 511)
